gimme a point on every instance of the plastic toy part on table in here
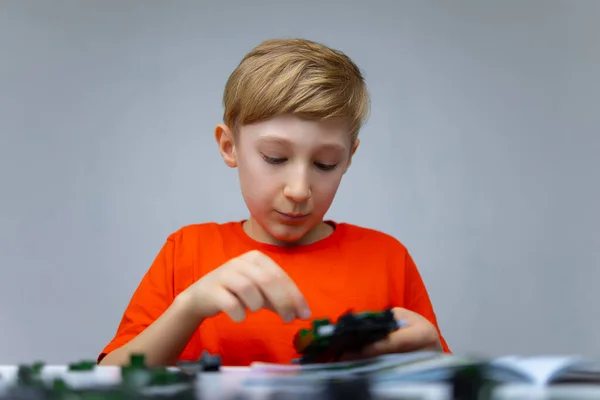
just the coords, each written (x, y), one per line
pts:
(417, 377)
(85, 380)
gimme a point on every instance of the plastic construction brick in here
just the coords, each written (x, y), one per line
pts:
(137, 361)
(82, 366)
(29, 385)
(326, 341)
(164, 377)
(206, 363)
(472, 383)
(139, 382)
(30, 375)
(138, 375)
(135, 373)
(210, 362)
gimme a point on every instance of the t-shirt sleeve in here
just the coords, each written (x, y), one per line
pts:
(152, 297)
(415, 296)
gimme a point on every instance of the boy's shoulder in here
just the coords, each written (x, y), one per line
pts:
(204, 230)
(361, 233)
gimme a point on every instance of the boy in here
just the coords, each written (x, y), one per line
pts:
(293, 110)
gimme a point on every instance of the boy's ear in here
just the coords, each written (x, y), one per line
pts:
(224, 138)
(354, 147)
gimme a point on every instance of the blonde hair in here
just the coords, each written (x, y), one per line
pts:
(299, 77)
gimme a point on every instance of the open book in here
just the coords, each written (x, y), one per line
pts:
(534, 370)
(364, 366)
(428, 367)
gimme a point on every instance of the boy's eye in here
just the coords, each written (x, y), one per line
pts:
(275, 160)
(272, 160)
(326, 167)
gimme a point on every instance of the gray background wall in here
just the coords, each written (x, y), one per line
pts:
(481, 155)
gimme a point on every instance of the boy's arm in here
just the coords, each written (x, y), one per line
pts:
(164, 340)
(155, 323)
(415, 297)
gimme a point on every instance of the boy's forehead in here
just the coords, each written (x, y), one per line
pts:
(288, 131)
(330, 145)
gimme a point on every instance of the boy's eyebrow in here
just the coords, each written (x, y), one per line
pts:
(285, 142)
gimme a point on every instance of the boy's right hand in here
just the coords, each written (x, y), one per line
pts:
(251, 281)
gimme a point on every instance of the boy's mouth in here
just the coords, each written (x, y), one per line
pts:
(292, 216)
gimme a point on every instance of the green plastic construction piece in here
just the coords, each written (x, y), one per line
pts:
(37, 367)
(137, 375)
(60, 390)
(82, 366)
(30, 375)
(163, 377)
(137, 361)
(139, 382)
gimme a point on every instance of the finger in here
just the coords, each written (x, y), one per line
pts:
(283, 290)
(229, 304)
(274, 292)
(400, 341)
(380, 347)
(278, 288)
(244, 289)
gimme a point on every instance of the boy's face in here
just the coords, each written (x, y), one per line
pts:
(289, 171)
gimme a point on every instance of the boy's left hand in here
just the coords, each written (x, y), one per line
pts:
(418, 335)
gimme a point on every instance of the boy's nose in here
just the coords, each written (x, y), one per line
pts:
(298, 190)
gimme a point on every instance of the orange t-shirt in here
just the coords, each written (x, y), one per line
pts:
(354, 269)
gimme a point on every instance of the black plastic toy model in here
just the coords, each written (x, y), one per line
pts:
(326, 341)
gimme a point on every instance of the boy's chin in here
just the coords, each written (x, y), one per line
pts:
(290, 235)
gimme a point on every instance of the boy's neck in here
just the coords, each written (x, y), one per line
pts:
(256, 232)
